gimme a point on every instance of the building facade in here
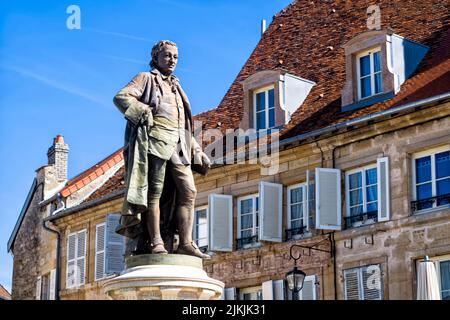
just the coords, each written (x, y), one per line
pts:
(356, 100)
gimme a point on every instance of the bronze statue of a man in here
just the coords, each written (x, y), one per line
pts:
(159, 150)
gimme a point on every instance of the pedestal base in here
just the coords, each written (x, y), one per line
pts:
(163, 277)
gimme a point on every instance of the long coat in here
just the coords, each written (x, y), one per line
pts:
(133, 100)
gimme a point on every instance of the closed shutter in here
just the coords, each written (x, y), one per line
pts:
(371, 280)
(71, 251)
(278, 289)
(100, 243)
(38, 288)
(383, 189)
(81, 257)
(328, 199)
(115, 246)
(52, 285)
(267, 290)
(308, 291)
(271, 211)
(220, 222)
(352, 284)
(230, 294)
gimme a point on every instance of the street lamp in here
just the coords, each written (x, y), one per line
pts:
(295, 277)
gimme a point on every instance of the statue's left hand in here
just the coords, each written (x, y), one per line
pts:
(205, 160)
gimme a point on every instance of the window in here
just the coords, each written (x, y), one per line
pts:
(363, 283)
(264, 106)
(297, 207)
(362, 195)
(200, 232)
(45, 287)
(431, 171)
(442, 265)
(248, 220)
(253, 293)
(369, 73)
(76, 259)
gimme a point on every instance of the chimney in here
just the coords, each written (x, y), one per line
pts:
(263, 26)
(57, 155)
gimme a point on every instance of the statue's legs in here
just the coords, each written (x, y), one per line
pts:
(157, 169)
(186, 193)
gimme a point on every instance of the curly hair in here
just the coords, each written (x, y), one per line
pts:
(157, 49)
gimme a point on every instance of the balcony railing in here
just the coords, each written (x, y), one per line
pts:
(363, 217)
(430, 202)
(242, 242)
(291, 233)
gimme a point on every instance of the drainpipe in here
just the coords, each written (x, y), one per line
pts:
(58, 249)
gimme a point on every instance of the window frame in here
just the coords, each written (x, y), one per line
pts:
(304, 187)
(369, 52)
(363, 187)
(417, 155)
(254, 213)
(194, 231)
(266, 90)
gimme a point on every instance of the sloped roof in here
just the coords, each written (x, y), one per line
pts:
(305, 39)
(4, 294)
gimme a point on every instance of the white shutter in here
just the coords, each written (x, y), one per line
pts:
(115, 246)
(230, 293)
(371, 282)
(71, 251)
(278, 289)
(383, 189)
(81, 257)
(267, 290)
(38, 288)
(308, 291)
(328, 199)
(52, 285)
(100, 243)
(271, 211)
(352, 284)
(220, 222)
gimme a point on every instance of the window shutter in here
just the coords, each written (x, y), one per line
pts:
(308, 291)
(278, 289)
(115, 246)
(100, 243)
(230, 293)
(328, 199)
(371, 282)
(383, 189)
(71, 248)
(310, 200)
(267, 290)
(52, 285)
(38, 288)
(352, 284)
(81, 257)
(220, 222)
(271, 211)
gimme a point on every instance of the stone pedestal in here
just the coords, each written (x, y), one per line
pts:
(163, 277)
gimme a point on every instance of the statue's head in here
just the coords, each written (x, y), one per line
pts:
(164, 56)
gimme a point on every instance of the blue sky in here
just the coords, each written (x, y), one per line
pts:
(60, 81)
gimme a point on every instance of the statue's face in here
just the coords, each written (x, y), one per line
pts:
(168, 59)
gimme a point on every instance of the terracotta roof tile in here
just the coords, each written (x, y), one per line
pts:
(4, 293)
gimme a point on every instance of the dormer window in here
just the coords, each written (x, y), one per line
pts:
(369, 73)
(264, 102)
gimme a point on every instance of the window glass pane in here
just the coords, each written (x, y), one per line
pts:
(371, 176)
(297, 224)
(445, 279)
(356, 210)
(424, 191)
(355, 180)
(296, 211)
(356, 197)
(442, 164)
(378, 84)
(364, 65)
(246, 206)
(260, 101)
(260, 120)
(271, 117)
(443, 188)
(296, 195)
(246, 233)
(377, 61)
(372, 193)
(372, 207)
(271, 98)
(366, 90)
(423, 169)
(246, 221)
